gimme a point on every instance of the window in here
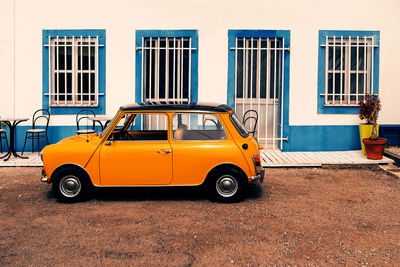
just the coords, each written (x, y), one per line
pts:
(75, 70)
(188, 126)
(258, 68)
(141, 127)
(168, 66)
(239, 125)
(350, 67)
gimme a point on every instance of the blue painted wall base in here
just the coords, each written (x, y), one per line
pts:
(301, 138)
(333, 138)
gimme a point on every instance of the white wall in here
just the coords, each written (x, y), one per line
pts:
(212, 19)
(6, 58)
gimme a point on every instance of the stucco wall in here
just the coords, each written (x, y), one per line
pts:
(212, 19)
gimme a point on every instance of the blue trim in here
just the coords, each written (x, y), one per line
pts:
(335, 137)
(302, 138)
(323, 34)
(285, 34)
(391, 133)
(101, 108)
(323, 138)
(162, 34)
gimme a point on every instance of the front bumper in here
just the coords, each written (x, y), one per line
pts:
(44, 178)
(259, 177)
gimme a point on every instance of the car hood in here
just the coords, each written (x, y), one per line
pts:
(80, 138)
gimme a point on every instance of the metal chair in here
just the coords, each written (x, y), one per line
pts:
(37, 133)
(249, 116)
(84, 115)
(3, 132)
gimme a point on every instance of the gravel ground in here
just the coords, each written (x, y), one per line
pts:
(308, 216)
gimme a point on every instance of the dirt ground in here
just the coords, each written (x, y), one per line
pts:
(312, 216)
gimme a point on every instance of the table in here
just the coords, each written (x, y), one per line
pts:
(101, 119)
(12, 124)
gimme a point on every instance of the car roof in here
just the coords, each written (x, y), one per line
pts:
(164, 106)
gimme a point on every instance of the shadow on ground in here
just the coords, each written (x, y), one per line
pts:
(187, 193)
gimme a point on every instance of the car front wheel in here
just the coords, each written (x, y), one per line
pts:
(70, 185)
(226, 185)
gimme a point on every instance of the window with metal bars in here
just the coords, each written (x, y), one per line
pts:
(74, 70)
(257, 74)
(350, 69)
(168, 70)
(73, 78)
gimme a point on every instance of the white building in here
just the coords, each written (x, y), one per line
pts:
(298, 60)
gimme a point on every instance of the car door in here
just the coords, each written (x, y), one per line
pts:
(200, 142)
(137, 153)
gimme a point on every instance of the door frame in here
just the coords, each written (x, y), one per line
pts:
(285, 35)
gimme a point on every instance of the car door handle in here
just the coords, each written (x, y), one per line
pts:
(164, 151)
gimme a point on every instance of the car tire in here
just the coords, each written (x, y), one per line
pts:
(226, 185)
(71, 185)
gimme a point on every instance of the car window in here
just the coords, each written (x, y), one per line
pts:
(108, 125)
(141, 127)
(197, 126)
(239, 125)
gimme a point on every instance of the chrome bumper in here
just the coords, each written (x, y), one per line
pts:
(44, 179)
(259, 177)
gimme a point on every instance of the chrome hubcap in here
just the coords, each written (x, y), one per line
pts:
(70, 186)
(226, 185)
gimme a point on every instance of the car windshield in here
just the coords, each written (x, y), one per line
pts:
(108, 126)
(239, 125)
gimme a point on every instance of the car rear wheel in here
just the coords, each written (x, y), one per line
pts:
(226, 185)
(70, 185)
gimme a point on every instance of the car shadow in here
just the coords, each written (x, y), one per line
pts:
(149, 194)
(254, 192)
(182, 193)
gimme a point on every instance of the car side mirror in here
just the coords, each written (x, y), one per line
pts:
(109, 141)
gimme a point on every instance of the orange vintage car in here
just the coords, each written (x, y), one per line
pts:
(150, 144)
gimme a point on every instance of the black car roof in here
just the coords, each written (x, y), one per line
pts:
(198, 106)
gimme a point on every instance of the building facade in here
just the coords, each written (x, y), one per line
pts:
(302, 65)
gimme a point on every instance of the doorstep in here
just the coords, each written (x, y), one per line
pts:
(277, 158)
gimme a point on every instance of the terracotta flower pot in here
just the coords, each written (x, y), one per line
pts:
(365, 132)
(374, 148)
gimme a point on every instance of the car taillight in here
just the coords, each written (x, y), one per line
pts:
(257, 163)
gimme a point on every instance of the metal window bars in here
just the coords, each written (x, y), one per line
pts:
(349, 69)
(166, 69)
(166, 73)
(73, 71)
(259, 80)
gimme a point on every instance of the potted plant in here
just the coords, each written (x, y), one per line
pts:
(369, 110)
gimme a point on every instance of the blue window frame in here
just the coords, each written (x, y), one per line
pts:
(348, 68)
(74, 71)
(258, 79)
(166, 65)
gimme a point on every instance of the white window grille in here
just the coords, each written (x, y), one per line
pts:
(259, 76)
(73, 71)
(349, 68)
(166, 69)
